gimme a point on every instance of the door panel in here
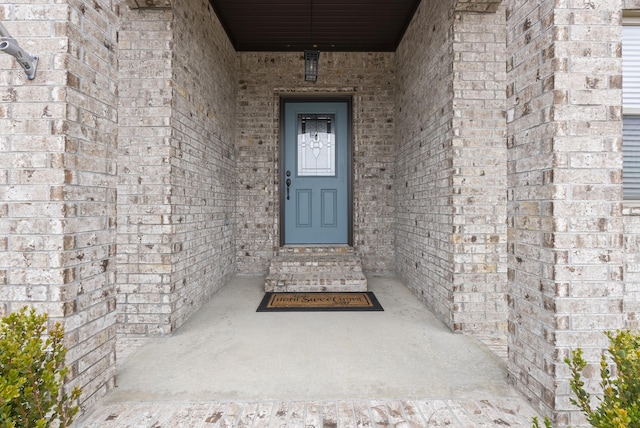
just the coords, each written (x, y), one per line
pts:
(329, 208)
(303, 208)
(316, 173)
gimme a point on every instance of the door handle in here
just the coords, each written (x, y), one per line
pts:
(288, 182)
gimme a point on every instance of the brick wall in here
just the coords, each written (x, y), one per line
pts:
(263, 77)
(135, 4)
(424, 114)
(58, 178)
(176, 200)
(477, 5)
(565, 224)
(451, 174)
(479, 174)
(631, 4)
(145, 230)
(154, 103)
(203, 167)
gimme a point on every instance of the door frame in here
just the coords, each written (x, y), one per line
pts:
(348, 100)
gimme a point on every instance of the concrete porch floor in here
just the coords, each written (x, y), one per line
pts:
(231, 366)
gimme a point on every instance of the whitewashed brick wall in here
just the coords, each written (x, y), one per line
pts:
(565, 223)
(145, 232)
(477, 5)
(203, 166)
(58, 178)
(177, 182)
(424, 115)
(451, 166)
(263, 77)
(479, 173)
(141, 165)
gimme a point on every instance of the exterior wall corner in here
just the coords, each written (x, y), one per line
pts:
(566, 257)
(58, 180)
(176, 198)
(451, 168)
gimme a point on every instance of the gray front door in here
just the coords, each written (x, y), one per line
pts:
(315, 173)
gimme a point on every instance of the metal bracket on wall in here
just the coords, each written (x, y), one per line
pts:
(9, 45)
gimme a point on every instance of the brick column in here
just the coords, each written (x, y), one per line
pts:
(57, 182)
(564, 210)
(145, 230)
(479, 181)
(177, 177)
(450, 171)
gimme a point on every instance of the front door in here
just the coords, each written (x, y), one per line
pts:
(316, 173)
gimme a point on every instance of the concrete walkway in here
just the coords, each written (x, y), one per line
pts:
(231, 366)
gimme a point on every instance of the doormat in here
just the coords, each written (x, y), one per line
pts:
(317, 302)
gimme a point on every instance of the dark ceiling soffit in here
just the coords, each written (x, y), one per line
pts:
(225, 26)
(296, 47)
(406, 24)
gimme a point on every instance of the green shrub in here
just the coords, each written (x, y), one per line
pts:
(619, 403)
(33, 372)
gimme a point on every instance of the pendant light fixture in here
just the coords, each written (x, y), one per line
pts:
(311, 57)
(311, 65)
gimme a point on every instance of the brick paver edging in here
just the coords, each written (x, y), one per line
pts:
(507, 412)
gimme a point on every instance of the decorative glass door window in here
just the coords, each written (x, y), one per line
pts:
(316, 145)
